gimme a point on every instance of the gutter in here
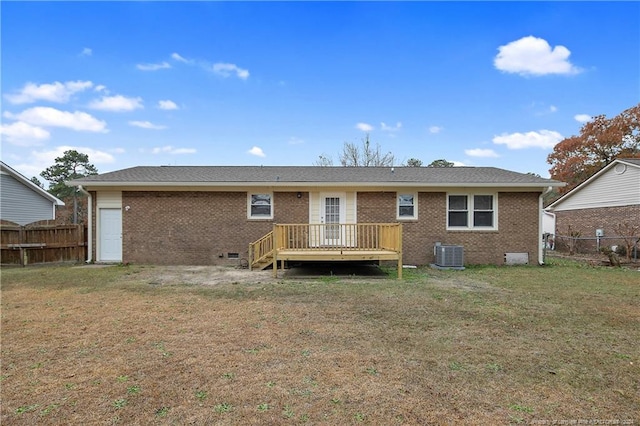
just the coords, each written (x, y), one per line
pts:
(89, 225)
(308, 184)
(540, 213)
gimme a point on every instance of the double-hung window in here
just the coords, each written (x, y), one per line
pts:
(407, 206)
(260, 206)
(471, 211)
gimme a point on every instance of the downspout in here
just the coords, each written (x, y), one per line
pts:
(540, 213)
(89, 225)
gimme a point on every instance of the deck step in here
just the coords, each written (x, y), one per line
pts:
(263, 264)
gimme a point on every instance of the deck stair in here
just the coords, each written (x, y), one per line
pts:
(261, 252)
(263, 264)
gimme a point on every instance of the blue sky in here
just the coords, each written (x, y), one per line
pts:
(281, 83)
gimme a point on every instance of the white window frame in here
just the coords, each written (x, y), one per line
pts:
(415, 206)
(470, 212)
(259, 217)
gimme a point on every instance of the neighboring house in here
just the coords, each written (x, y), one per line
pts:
(600, 204)
(549, 227)
(211, 215)
(22, 201)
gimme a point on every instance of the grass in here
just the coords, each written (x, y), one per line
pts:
(488, 345)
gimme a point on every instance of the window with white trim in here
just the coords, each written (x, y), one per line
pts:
(471, 211)
(407, 206)
(260, 206)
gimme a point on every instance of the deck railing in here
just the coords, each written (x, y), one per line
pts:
(261, 249)
(352, 236)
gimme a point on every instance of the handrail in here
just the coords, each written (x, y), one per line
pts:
(352, 236)
(260, 249)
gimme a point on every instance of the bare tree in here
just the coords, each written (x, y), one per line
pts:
(364, 155)
(323, 161)
(630, 234)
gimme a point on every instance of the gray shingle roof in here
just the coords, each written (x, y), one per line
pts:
(221, 175)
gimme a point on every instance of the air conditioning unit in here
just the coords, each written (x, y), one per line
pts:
(449, 256)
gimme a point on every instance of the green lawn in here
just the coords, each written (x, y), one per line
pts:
(488, 345)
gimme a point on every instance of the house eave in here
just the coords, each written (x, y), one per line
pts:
(305, 185)
(21, 178)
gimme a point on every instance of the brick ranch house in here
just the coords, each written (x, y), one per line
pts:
(208, 215)
(600, 204)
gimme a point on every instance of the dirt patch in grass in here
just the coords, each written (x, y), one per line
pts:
(201, 345)
(200, 275)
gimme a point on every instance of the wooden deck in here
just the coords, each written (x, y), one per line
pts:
(328, 243)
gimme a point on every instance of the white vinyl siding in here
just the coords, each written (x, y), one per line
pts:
(350, 208)
(610, 189)
(109, 199)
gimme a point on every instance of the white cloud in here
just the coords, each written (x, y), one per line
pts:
(146, 125)
(257, 151)
(387, 128)
(171, 150)
(295, 141)
(23, 134)
(117, 150)
(542, 109)
(100, 88)
(54, 92)
(479, 152)
(153, 67)
(51, 117)
(542, 139)
(582, 118)
(167, 104)
(534, 56)
(86, 52)
(435, 129)
(116, 103)
(226, 70)
(179, 58)
(44, 159)
(458, 164)
(364, 127)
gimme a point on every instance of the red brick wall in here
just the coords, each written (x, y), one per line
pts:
(198, 228)
(586, 221)
(517, 227)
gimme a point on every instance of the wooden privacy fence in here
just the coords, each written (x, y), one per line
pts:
(38, 244)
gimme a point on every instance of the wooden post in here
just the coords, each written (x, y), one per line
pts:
(274, 246)
(399, 248)
(80, 253)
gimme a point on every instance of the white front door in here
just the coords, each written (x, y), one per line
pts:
(332, 214)
(110, 235)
